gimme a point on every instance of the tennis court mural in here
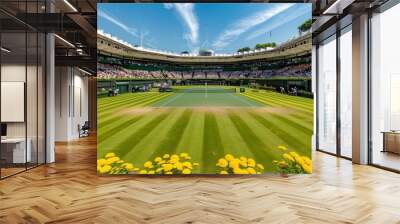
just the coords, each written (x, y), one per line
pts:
(245, 112)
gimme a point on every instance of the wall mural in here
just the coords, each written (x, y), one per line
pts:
(204, 88)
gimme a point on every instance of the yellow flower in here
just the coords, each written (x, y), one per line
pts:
(260, 166)
(186, 171)
(307, 169)
(101, 162)
(179, 166)
(174, 158)
(148, 164)
(167, 167)
(161, 162)
(105, 169)
(251, 170)
(168, 172)
(306, 160)
(274, 161)
(234, 163)
(283, 148)
(223, 172)
(166, 156)
(98, 168)
(158, 170)
(251, 162)
(294, 154)
(135, 169)
(243, 163)
(240, 171)
(120, 161)
(112, 160)
(157, 159)
(229, 157)
(195, 164)
(109, 155)
(187, 165)
(288, 157)
(222, 163)
(184, 155)
(243, 158)
(151, 172)
(128, 166)
(143, 172)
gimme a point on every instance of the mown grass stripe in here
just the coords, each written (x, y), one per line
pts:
(137, 134)
(104, 135)
(281, 102)
(283, 105)
(169, 143)
(143, 151)
(230, 138)
(284, 132)
(286, 120)
(292, 102)
(212, 147)
(125, 105)
(263, 153)
(105, 118)
(116, 100)
(192, 139)
(287, 97)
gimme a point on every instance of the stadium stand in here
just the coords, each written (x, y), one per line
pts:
(109, 71)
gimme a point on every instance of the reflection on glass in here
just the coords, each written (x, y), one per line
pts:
(385, 89)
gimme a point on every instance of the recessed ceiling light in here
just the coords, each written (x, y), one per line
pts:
(5, 50)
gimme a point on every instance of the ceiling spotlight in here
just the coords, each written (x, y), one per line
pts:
(70, 5)
(65, 41)
(86, 72)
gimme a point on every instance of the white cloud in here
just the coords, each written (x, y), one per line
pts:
(245, 24)
(187, 13)
(114, 20)
(269, 27)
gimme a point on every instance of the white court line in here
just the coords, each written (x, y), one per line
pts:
(242, 100)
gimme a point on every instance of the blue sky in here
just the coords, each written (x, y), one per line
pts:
(222, 27)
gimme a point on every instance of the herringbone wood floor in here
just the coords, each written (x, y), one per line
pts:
(69, 191)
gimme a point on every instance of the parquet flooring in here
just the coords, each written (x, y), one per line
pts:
(69, 191)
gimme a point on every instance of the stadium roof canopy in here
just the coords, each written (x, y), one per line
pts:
(112, 46)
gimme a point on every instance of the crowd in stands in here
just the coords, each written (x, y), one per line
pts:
(107, 71)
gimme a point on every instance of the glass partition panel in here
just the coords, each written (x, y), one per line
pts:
(327, 95)
(14, 153)
(346, 92)
(385, 89)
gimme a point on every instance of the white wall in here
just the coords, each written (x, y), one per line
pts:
(71, 102)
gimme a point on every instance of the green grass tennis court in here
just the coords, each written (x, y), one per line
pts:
(207, 125)
(207, 97)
